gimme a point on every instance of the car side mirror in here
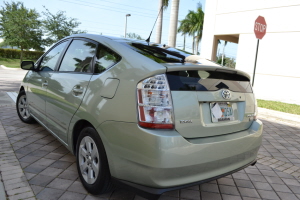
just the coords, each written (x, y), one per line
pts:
(27, 65)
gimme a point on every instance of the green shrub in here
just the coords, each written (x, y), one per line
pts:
(16, 54)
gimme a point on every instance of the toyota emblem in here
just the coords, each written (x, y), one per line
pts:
(226, 94)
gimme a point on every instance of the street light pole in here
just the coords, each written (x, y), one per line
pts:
(128, 15)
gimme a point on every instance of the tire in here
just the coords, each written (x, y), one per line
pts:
(22, 108)
(92, 162)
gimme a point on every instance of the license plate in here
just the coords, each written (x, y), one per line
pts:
(221, 111)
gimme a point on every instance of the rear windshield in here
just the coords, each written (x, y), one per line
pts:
(158, 52)
(194, 80)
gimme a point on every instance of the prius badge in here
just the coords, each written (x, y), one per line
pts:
(226, 94)
(185, 121)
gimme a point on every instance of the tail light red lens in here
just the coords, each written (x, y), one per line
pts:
(155, 103)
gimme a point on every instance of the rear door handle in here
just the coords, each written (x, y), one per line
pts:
(77, 90)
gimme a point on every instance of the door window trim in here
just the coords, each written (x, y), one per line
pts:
(65, 51)
(60, 56)
(94, 59)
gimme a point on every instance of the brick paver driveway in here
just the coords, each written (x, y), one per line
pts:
(51, 172)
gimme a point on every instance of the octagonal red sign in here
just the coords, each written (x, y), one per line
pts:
(260, 27)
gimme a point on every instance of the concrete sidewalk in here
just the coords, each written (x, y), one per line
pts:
(34, 165)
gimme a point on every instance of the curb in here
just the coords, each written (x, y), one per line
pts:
(279, 116)
(8, 68)
(2, 191)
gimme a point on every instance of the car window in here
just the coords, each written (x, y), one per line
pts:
(193, 80)
(78, 57)
(50, 59)
(158, 52)
(105, 58)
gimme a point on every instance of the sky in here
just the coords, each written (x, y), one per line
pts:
(107, 17)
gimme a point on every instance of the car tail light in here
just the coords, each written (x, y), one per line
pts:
(155, 103)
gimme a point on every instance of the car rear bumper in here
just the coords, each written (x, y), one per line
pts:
(154, 193)
(164, 159)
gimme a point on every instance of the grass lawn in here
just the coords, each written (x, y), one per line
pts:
(279, 106)
(7, 62)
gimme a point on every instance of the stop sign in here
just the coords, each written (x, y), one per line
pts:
(260, 27)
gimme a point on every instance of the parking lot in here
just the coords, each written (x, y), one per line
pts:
(35, 165)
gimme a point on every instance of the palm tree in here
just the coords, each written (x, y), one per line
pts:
(192, 25)
(184, 29)
(173, 23)
(163, 4)
(225, 43)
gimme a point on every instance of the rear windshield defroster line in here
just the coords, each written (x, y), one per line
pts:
(194, 80)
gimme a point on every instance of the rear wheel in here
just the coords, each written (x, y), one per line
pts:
(22, 108)
(92, 162)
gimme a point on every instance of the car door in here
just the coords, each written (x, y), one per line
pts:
(38, 80)
(67, 86)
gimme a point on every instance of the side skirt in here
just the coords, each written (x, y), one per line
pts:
(65, 144)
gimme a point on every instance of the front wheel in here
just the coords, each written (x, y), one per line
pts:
(22, 108)
(92, 162)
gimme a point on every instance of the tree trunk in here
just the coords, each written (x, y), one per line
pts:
(223, 54)
(159, 22)
(184, 42)
(173, 23)
(21, 54)
(193, 44)
(196, 46)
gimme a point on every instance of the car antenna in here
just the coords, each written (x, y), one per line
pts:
(148, 40)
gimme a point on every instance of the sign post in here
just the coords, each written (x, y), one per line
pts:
(260, 28)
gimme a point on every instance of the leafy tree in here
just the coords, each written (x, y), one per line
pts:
(184, 29)
(227, 62)
(134, 36)
(20, 26)
(57, 26)
(230, 63)
(4, 43)
(223, 54)
(192, 25)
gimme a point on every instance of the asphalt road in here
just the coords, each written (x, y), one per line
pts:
(10, 79)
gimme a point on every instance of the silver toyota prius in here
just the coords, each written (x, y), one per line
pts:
(141, 115)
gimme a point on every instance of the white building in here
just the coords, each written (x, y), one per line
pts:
(278, 63)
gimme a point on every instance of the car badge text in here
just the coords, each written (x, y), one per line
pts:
(185, 121)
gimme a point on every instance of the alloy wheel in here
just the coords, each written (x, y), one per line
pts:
(23, 107)
(89, 159)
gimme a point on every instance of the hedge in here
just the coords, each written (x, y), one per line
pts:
(16, 54)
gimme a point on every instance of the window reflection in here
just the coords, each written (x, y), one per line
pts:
(49, 61)
(78, 57)
(208, 81)
(105, 58)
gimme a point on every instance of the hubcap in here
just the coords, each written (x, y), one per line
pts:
(23, 107)
(88, 159)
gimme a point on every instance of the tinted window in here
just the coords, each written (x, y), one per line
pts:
(105, 58)
(159, 53)
(50, 59)
(193, 80)
(78, 57)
